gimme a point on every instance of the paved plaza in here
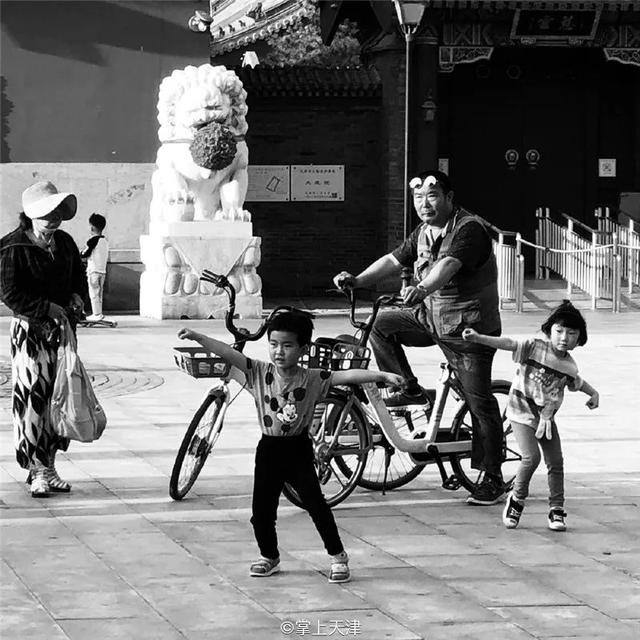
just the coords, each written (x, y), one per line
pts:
(117, 558)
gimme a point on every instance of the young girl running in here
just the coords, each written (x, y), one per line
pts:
(545, 369)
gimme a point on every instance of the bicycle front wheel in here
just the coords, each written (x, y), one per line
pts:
(340, 444)
(461, 429)
(200, 437)
(402, 468)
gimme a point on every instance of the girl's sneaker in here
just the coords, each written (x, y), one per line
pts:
(512, 512)
(264, 567)
(340, 568)
(556, 519)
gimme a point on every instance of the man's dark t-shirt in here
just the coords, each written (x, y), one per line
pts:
(471, 245)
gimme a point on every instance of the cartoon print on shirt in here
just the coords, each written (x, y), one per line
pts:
(284, 406)
(548, 386)
(287, 415)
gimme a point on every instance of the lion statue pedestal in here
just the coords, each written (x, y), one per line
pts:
(197, 219)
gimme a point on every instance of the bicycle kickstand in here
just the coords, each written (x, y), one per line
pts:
(388, 452)
(452, 482)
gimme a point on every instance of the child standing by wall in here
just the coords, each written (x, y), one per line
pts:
(96, 253)
(545, 369)
(285, 395)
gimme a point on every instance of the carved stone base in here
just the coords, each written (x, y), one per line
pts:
(176, 253)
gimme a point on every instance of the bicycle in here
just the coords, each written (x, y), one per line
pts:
(394, 444)
(207, 423)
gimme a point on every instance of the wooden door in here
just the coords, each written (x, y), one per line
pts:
(515, 139)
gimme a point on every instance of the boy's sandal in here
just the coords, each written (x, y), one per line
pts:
(339, 572)
(264, 567)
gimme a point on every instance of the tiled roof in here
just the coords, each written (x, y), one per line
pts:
(240, 23)
(610, 5)
(310, 81)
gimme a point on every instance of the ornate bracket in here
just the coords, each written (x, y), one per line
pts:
(449, 57)
(625, 56)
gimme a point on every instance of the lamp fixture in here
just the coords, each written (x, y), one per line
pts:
(429, 108)
(200, 22)
(409, 14)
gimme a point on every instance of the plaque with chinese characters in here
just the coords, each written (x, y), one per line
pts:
(319, 182)
(539, 24)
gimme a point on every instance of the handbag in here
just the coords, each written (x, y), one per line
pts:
(75, 411)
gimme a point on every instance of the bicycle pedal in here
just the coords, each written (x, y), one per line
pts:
(452, 483)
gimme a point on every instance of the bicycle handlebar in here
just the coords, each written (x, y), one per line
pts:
(384, 300)
(241, 335)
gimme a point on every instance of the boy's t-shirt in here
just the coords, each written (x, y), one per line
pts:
(285, 406)
(537, 390)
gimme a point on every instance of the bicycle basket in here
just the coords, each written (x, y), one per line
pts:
(339, 356)
(200, 363)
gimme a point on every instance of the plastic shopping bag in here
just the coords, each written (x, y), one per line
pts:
(75, 410)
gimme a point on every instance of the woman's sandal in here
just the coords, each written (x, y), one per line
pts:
(39, 485)
(55, 482)
(264, 567)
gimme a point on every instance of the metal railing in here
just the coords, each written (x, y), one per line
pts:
(596, 261)
(628, 245)
(510, 263)
(590, 259)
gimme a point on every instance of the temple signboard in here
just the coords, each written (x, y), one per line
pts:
(555, 25)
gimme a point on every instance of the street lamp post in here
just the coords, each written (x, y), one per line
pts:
(410, 14)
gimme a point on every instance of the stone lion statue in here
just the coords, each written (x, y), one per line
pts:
(203, 157)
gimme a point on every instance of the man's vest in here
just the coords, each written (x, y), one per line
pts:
(468, 299)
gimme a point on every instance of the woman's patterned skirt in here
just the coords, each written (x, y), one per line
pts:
(33, 368)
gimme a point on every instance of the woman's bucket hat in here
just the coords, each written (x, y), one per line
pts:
(42, 198)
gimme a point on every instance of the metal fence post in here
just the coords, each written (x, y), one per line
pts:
(567, 259)
(520, 285)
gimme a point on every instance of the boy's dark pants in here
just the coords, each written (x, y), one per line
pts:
(281, 459)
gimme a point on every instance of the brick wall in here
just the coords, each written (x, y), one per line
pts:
(305, 243)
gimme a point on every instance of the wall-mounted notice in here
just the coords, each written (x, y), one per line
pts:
(606, 167)
(317, 182)
(268, 183)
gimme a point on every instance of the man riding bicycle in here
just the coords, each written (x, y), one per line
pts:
(455, 287)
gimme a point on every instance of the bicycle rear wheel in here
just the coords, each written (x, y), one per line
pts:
(340, 445)
(461, 430)
(402, 468)
(199, 439)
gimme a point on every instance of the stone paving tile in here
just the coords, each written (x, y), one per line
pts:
(449, 567)
(602, 588)
(383, 526)
(626, 561)
(406, 546)
(22, 615)
(566, 622)
(411, 596)
(476, 631)
(525, 590)
(207, 619)
(148, 627)
(361, 555)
